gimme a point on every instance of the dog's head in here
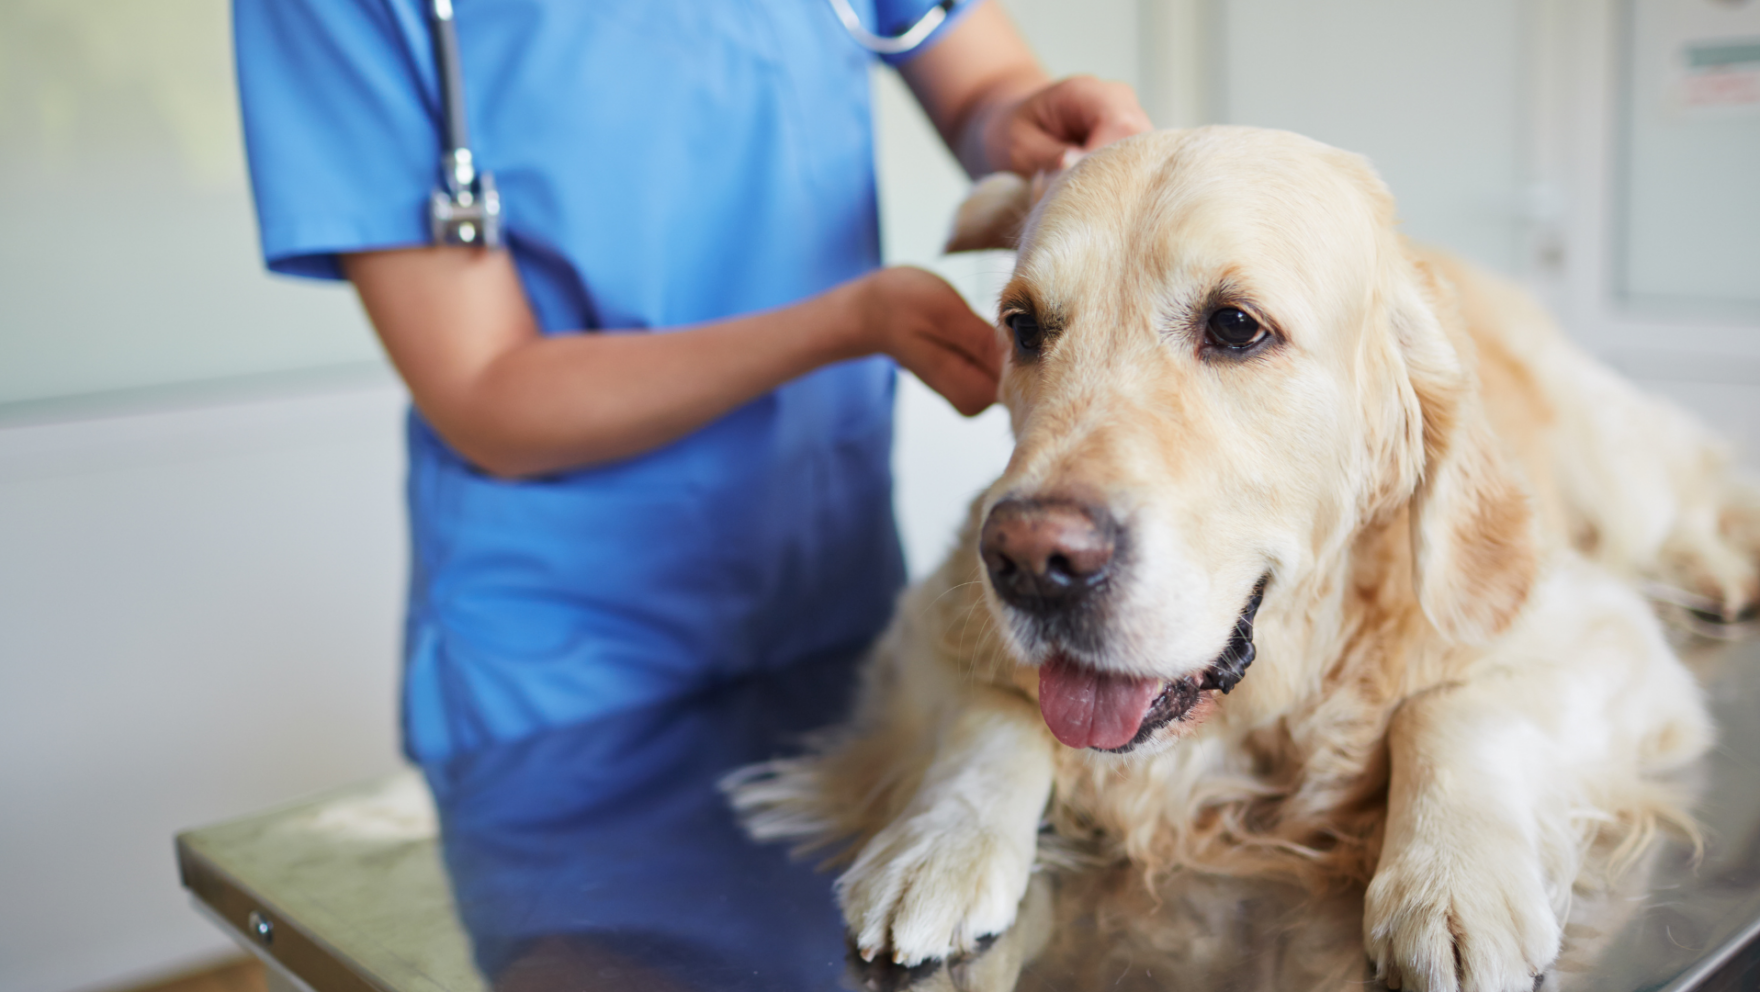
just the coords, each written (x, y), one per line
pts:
(1224, 364)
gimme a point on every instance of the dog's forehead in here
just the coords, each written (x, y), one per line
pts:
(1263, 210)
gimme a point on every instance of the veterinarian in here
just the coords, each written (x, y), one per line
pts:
(651, 439)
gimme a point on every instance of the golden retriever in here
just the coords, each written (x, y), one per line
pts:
(1318, 552)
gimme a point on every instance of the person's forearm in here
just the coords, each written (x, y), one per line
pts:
(516, 403)
(979, 71)
(575, 400)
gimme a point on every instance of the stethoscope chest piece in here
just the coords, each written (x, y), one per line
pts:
(465, 208)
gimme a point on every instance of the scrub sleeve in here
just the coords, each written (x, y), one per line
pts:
(661, 162)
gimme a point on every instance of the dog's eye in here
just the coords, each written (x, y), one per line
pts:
(1028, 336)
(1235, 329)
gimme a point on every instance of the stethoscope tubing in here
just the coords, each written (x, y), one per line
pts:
(467, 208)
(897, 44)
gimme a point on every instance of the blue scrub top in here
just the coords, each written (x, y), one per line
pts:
(660, 162)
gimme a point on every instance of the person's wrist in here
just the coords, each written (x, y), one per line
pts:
(984, 145)
(987, 143)
(851, 323)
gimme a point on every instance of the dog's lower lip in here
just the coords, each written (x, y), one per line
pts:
(1179, 696)
(1173, 704)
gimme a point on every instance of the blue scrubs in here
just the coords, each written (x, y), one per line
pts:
(661, 162)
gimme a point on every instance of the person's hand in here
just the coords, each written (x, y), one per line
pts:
(1052, 127)
(924, 324)
(998, 111)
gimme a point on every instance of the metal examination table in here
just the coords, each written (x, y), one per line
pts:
(600, 857)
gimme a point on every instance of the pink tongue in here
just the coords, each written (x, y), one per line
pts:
(1088, 708)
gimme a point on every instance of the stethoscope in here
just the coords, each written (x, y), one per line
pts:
(465, 208)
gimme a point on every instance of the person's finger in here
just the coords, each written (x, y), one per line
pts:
(972, 336)
(1055, 126)
(963, 384)
(1095, 113)
(1070, 108)
(941, 340)
(949, 322)
(1033, 148)
(1118, 124)
(966, 381)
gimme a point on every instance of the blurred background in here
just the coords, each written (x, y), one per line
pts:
(201, 536)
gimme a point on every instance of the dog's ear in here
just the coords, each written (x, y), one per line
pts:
(995, 211)
(1475, 547)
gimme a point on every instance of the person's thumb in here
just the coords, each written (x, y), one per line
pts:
(1032, 150)
(1114, 127)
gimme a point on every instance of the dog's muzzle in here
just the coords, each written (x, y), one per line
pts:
(1180, 695)
(1053, 561)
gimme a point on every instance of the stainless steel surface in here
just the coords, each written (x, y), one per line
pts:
(601, 857)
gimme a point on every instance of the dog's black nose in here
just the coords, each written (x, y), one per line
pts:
(1047, 555)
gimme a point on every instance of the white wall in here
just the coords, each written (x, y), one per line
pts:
(127, 261)
(1431, 92)
(198, 618)
(199, 584)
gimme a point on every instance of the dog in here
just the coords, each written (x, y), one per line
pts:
(1319, 553)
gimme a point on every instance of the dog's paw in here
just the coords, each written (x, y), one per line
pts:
(932, 885)
(1438, 921)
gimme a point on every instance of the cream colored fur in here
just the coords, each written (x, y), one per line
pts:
(1459, 686)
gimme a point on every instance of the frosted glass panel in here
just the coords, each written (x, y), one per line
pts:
(1691, 195)
(127, 247)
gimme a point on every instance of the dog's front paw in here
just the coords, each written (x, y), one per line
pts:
(932, 885)
(1436, 920)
